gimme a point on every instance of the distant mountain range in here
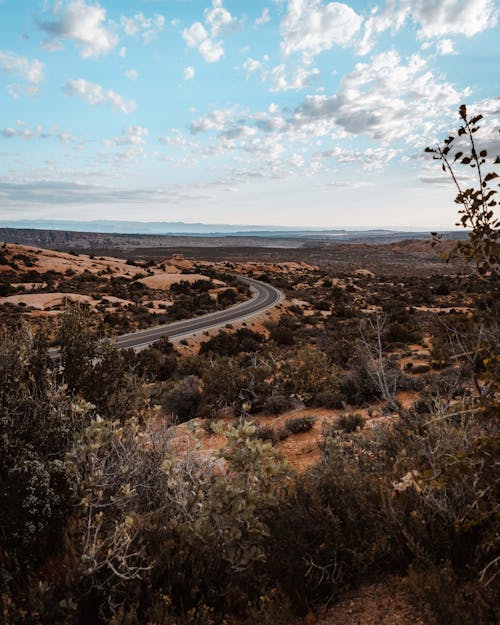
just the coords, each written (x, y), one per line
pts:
(105, 237)
(196, 229)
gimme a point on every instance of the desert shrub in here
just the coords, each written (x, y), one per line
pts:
(232, 344)
(349, 422)
(209, 556)
(276, 404)
(113, 387)
(6, 288)
(282, 333)
(444, 504)
(237, 384)
(79, 345)
(328, 531)
(329, 399)
(38, 423)
(183, 400)
(158, 362)
(227, 297)
(298, 425)
(96, 370)
(308, 373)
(273, 435)
(357, 387)
(447, 599)
(402, 332)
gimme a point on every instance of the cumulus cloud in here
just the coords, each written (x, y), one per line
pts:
(189, 72)
(434, 19)
(132, 135)
(217, 20)
(216, 120)
(452, 16)
(141, 26)
(29, 71)
(85, 24)
(264, 18)
(445, 46)
(96, 95)
(283, 79)
(386, 99)
(237, 132)
(131, 74)
(196, 36)
(310, 26)
(390, 100)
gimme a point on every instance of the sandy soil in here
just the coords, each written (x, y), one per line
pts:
(164, 281)
(51, 260)
(44, 301)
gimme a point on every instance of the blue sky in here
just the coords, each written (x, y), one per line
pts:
(299, 112)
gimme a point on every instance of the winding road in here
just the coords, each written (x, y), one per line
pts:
(264, 296)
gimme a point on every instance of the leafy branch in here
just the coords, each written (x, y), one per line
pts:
(477, 204)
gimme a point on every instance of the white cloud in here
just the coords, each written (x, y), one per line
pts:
(66, 137)
(189, 72)
(211, 51)
(38, 132)
(218, 19)
(146, 27)
(311, 26)
(237, 132)
(95, 95)
(131, 74)
(369, 158)
(445, 46)
(452, 16)
(85, 24)
(264, 18)
(132, 135)
(175, 138)
(195, 34)
(282, 79)
(30, 71)
(435, 19)
(216, 120)
(386, 99)
(251, 65)
(389, 100)
(8, 133)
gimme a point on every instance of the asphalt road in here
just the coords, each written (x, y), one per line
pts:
(264, 296)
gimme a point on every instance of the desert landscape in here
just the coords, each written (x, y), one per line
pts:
(361, 346)
(249, 312)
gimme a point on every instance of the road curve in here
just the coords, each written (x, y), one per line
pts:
(264, 296)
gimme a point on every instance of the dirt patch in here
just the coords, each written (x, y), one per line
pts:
(383, 603)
